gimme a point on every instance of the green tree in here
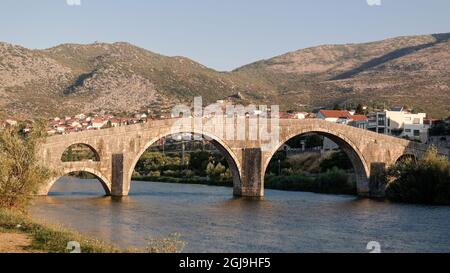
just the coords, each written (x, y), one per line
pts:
(359, 110)
(198, 162)
(424, 181)
(20, 172)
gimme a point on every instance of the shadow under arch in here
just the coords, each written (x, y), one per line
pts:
(102, 179)
(360, 166)
(91, 153)
(406, 157)
(227, 152)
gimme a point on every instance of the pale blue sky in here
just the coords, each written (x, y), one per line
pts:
(220, 34)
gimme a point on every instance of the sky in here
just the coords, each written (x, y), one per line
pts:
(221, 34)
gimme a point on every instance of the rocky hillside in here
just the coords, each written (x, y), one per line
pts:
(102, 77)
(120, 77)
(413, 71)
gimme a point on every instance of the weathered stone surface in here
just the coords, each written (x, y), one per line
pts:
(120, 148)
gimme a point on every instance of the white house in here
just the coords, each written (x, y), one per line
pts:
(400, 123)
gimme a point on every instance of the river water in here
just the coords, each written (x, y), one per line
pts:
(209, 219)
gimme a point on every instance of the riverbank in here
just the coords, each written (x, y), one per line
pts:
(21, 234)
(331, 182)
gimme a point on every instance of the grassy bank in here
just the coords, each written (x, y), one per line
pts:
(48, 238)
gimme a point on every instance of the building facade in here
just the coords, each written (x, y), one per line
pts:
(399, 123)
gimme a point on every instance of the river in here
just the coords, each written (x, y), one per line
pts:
(209, 219)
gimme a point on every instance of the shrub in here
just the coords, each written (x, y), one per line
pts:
(426, 181)
(335, 180)
(154, 174)
(187, 174)
(20, 172)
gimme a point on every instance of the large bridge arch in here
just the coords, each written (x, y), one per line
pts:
(106, 184)
(232, 159)
(360, 164)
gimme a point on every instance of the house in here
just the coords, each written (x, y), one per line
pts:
(359, 121)
(98, 123)
(80, 116)
(336, 116)
(341, 117)
(61, 129)
(115, 122)
(399, 122)
(301, 115)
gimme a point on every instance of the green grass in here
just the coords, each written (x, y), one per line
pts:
(49, 238)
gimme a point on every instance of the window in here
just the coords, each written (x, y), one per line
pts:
(407, 130)
(416, 132)
(389, 122)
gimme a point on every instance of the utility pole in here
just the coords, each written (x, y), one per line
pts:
(182, 151)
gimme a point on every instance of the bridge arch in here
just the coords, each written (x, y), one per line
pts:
(406, 157)
(95, 153)
(106, 184)
(230, 156)
(360, 165)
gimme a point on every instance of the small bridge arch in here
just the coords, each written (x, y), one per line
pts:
(104, 181)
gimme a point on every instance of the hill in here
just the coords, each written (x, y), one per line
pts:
(120, 77)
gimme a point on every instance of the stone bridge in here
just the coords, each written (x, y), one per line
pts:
(248, 153)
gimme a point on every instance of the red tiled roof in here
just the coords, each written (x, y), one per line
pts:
(359, 117)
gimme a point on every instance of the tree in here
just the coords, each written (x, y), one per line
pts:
(359, 110)
(198, 161)
(337, 107)
(20, 172)
(424, 181)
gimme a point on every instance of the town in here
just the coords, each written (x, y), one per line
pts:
(397, 121)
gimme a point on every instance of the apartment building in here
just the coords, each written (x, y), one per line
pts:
(400, 123)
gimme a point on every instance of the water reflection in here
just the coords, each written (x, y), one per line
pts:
(211, 220)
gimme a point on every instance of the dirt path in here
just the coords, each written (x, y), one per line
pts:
(15, 243)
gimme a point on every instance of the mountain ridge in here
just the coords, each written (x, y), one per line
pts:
(121, 77)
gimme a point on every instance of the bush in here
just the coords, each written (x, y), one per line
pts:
(20, 172)
(154, 174)
(187, 174)
(426, 181)
(333, 181)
